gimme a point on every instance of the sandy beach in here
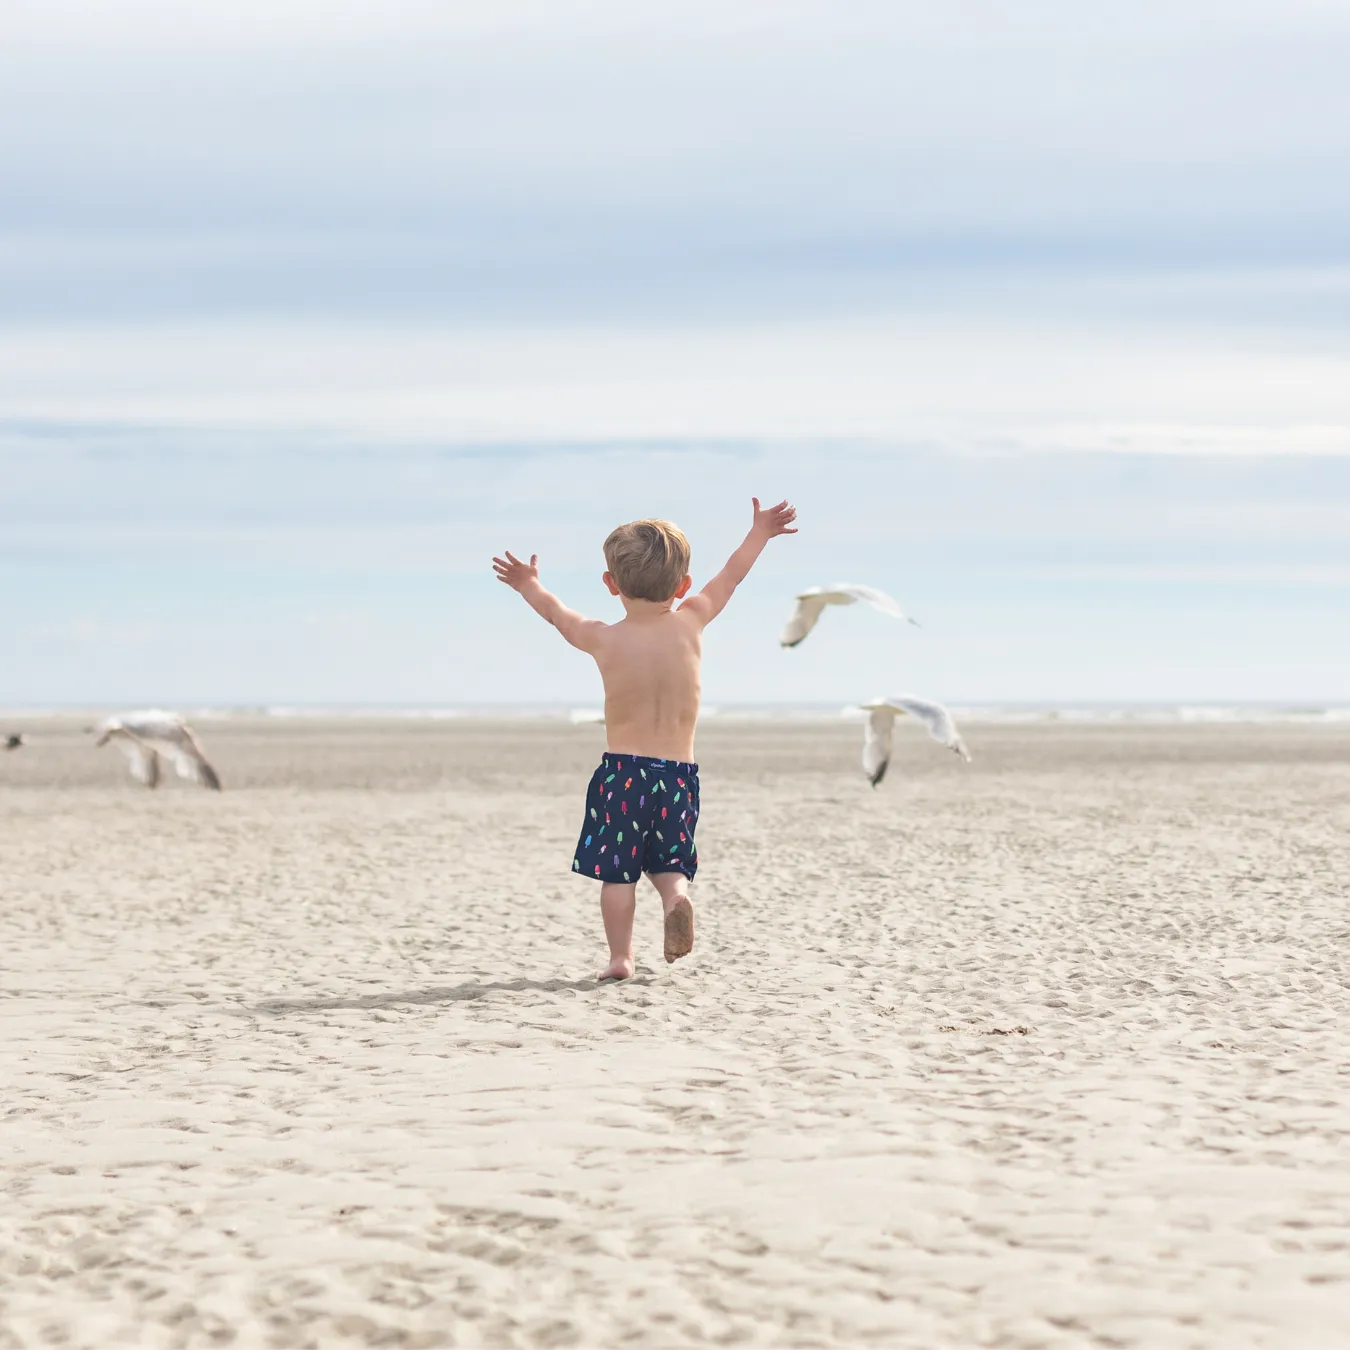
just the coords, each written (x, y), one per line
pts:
(1048, 1050)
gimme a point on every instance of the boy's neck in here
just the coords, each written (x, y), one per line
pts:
(646, 609)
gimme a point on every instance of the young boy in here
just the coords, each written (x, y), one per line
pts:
(642, 804)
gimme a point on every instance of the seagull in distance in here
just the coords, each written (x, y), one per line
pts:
(15, 740)
(145, 737)
(811, 604)
(936, 719)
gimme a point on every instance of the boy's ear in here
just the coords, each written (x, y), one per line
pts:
(683, 588)
(613, 585)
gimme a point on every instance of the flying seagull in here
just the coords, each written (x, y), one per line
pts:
(15, 739)
(811, 604)
(143, 737)
(937, 721)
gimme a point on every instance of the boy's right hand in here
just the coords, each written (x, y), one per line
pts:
(515, 573)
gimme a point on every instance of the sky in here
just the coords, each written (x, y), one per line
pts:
(1040, 314)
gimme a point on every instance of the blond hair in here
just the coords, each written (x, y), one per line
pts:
(648, 559)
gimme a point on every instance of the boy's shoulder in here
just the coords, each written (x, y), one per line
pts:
(695, 609)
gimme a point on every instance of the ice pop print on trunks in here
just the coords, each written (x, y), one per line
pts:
(640, 817)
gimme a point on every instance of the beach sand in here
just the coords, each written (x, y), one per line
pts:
(1048, 1050)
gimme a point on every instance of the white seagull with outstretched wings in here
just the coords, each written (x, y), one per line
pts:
(882, 712)
(146, 737)
(811, 605)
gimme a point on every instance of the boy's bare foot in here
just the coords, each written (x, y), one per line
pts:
(620, 968)
(679, 929)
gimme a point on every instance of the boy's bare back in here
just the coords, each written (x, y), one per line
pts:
(650, 664)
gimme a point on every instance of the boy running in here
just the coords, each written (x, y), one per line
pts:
(642, 804)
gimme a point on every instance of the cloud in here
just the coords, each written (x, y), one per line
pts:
(1223, 574)
(592, 158)
(87, 632)
(960, 382)
(339, 621)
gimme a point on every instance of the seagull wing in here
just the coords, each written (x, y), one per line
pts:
(876, 753)
(196, 768)
(141, 758)
(188, 757)
(810, 604)
(940, 724)
(870, 595)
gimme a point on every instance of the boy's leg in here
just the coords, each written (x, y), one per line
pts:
(673, 888)
(618, 901)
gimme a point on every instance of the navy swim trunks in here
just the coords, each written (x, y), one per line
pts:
(640, 817)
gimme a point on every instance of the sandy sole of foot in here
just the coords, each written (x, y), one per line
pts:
(679, 931)
(1047, 1050)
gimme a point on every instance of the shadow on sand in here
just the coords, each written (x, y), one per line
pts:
(454, 993)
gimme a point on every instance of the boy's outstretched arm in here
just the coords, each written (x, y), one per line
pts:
(768, 522)
(524, 577)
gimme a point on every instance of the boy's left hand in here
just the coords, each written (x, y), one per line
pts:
(773, 520)
(515, 573)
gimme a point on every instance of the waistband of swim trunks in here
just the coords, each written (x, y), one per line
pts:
(611, 758)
